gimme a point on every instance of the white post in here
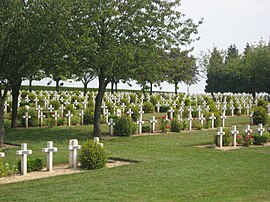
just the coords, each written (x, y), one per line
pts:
(111, 124)
(190, 121)
(181, 113)
(73, 153)
(55, 116)
(158, 107)
(140, 122)
(82, 116)
(26, 117)
(2, 154)
(23, 153)
(62, 108)
(247, 129)
(129, 112)
(261, 129)
(232, 110)
(234, 132)
(223, 117)
(106, 114)
(212, 118)
(49, 150)
(153, 124)
(199, 111)
(201, 119)
(171, 113)
(69, 115)
(220, 133)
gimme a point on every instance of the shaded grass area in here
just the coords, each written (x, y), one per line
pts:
(169, 168)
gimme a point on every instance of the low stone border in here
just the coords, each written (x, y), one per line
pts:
(227, 148)
(57, 170)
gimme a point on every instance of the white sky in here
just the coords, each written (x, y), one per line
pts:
(226, 22)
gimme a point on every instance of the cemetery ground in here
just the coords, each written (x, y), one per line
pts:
(168, 168)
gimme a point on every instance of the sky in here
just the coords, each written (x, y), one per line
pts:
(226, 22)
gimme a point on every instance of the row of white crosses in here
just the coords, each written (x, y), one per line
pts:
(73, 154)
(220, 133)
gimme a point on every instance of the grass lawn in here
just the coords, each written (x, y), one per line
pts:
(169, 168)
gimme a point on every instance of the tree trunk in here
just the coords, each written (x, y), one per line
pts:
(112, 89)
(2, 129)
(30, 83)
(151, 88)
(85, 88)
(101, 91)
(15, 95)
(57, 85)
(175, 88)
(3, 95)
(116, 89)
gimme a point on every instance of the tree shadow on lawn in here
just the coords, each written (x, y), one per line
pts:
(59, 134)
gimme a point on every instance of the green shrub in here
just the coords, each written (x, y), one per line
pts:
(75, 120)
(33, 164)
(31, 97)
(262, 103)
(136, 113)
(227, 139)
(258, 139)
(55, 103)
(176, 125)
(6, 169)
(124, 127)
(32, 122)
(153, 100)
(92, 155)
(88, 116)
(187, 102)
(69, 107)
(260, 115)
(196, 124)
(148, 107)
(146, 129)
(163, 109)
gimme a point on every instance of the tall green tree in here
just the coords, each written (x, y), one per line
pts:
(181, 68)
(119, 27)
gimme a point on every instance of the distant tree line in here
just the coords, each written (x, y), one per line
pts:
(231, 71)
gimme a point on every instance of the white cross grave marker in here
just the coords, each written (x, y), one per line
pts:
(212, 118)
(261, 129)
(153, 122)
(220, 133)
(2, 154)
(111, 124)
(82, 116)
(24, 153)
(26, 117)
(234, 132)
(49, 150)
(69, 115)
(73, 153)
(140, 122)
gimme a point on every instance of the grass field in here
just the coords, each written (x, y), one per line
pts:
(169, 168)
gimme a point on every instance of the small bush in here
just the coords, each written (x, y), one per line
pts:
(258, 139)
(32, 122)
(226, 139)
(262, 103)
(187, 102)
(75, 120)
(55, 103)
(88, 116)
(148, 107)
(124, 127)
(164, 109)
(196, 124)
(92, 155)
(33, 164)
(146, 129)
(260, 115)
(69, 107)
(6, 169)
(176, 126)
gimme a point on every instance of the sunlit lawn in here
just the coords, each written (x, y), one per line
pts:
(169, 168)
